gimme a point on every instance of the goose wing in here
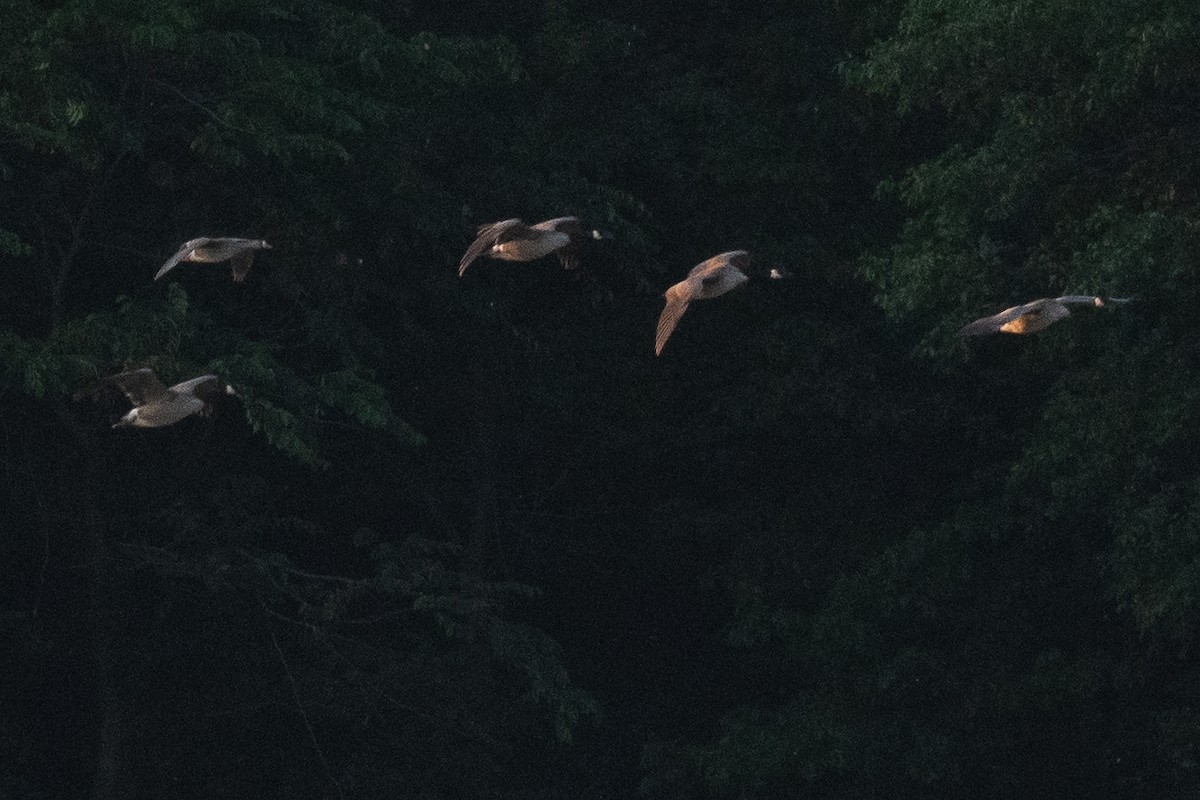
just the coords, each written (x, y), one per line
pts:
(992, 324)
(709, 271)
(1025, 318)
(491, 234)
(1080, 300)
(240, 264)
(185, 250)
(141, 386)
(568, 254)
(678, 297)
(204, 387)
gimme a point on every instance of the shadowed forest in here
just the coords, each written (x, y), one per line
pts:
(469, 538)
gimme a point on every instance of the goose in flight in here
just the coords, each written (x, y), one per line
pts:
(238, 252)
(154, 405)
(1033, 316)
(513, 240)
(711, 278)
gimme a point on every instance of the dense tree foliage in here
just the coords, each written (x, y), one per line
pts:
(469, 538)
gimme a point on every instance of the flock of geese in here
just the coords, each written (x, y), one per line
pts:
(155, 405)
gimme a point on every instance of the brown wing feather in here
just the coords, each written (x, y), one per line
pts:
(739, 259)
(986, 325)
(569, 226)
(513, 232)
(204, 386)
(141, 386)
(736, 258)
(993, 324)
(678, 297)
(240, 265)
(184, 249)
(207, 388)
(569, 254)
(489, 235)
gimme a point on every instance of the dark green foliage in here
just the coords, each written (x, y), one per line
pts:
(470, 538)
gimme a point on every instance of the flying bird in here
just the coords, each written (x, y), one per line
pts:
(154, 405)
(238, 252)
(1033, 316)
(513, 240)
(711, 278)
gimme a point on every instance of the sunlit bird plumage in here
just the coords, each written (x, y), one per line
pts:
(1033, 316)
(711, 278)
(513, 240)
(155, 405)
(238, 252)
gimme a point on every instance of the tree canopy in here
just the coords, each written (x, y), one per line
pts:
(470, 538)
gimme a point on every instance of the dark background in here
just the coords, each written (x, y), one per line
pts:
(469, 538)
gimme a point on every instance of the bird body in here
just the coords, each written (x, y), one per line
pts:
(712, 278)
(207, 250)
(513, 240)
(1029, 317)
(155, 406)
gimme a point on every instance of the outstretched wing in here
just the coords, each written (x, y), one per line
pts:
(185, 249)
(678, 297)
(1025, 318)
(489, 235)
(204, 387)
(1040, 315)
(568, 254)
(1082, 300)
(240, 264)
(141, 386)
(735, 258)
(986, 325)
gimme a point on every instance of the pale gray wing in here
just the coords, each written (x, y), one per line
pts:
(489, 235)
(181, 253)
(1042, 315)
(735, 258)
(568, 254)
(1080, 300)
(240, 264)
(678, 297)
(141, 386)
(204, 387)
